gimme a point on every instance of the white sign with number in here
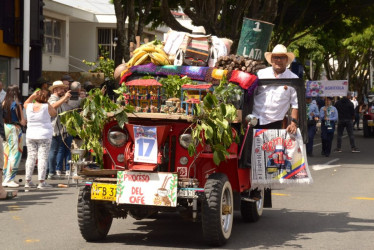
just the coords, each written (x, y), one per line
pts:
(145, 144)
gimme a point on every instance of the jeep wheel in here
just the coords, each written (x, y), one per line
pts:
(94, 218)
(217, 210)
(251, 211)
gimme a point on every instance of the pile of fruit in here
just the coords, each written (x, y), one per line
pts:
(149, 52)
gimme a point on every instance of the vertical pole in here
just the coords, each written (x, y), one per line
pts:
(311, 69)
(26, 48)
(371, 69)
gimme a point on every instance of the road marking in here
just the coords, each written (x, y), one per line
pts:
(326, 165)
(280, 194)
(363, 198)
(362, 224)
(32, 240)
(332, 161)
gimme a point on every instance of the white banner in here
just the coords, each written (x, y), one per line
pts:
(145, 144)
(278, 159)
(327, 88)
(144, 188)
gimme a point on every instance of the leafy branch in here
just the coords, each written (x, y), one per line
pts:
(212, 122)
(88, 124)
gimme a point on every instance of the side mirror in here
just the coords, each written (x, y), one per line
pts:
(251, 120)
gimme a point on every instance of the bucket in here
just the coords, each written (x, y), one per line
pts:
(254, 39)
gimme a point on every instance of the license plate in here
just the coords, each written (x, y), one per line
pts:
(103, 191)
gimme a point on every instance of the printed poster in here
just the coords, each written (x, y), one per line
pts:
(146, 147)
(326, 88)
(278, 158)
(143, 188)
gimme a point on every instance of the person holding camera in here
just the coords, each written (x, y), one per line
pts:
(58, 100)
(63, 152)
(312, 115)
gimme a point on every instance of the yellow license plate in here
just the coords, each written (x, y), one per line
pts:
(103, 191)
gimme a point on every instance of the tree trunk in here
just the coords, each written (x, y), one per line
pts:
(143, 15)
(122, 49)
(169, 19)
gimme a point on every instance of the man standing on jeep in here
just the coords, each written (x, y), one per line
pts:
(271, 103)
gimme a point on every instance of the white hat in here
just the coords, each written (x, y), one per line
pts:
(198, 31)
(280, 49)
(57, 84)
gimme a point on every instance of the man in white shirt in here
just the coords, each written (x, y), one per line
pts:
(2, 92)
(271, 103)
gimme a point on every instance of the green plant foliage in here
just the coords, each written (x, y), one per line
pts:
(104, 65)
(172, 85)
(212, 122)
(88, 124)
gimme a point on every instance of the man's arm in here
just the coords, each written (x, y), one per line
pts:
(61, 100)
(292, 128)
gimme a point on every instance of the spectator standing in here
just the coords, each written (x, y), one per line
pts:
(346, 114)
(328, 115)
(2, 92)
(38, 136)
(67, 80)
(357, 113)
(4, 195)
(60, 95)
(63, 153)
(13, 144)
(312, 115)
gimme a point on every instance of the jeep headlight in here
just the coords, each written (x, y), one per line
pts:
(117, 137)
(185, 140)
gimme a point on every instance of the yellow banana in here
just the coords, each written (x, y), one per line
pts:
(136, 57)
(161, 51)
(161, 59)
(149, 49)
(142, 59)
(154, 61)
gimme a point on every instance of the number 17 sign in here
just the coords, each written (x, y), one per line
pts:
(145, 144)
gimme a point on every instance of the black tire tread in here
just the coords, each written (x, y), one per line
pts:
(211, 209)
(87, 220)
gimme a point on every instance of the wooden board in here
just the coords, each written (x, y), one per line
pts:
(165, 116)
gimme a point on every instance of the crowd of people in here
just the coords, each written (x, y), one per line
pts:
(47, 142)
(342, 115)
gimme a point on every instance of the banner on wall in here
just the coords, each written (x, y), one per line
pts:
(326, 88)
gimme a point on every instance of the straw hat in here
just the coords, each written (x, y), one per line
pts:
(198, 31)
(58, 84)
(280, 49)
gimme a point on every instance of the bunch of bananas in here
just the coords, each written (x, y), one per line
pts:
(149, 52)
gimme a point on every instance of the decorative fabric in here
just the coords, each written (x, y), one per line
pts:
(219, 73)
(168, 70)
(194, 72)
(244, 79)
(278, 159)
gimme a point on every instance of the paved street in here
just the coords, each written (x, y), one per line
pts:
(336, 212)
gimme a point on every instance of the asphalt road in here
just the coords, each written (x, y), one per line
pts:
(335, 212)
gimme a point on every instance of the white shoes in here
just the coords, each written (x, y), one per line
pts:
(29, 184)
(44, 185)
(58, 173)
(67, 172)
(11, 184)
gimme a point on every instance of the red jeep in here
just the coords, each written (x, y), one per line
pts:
(147, 169)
